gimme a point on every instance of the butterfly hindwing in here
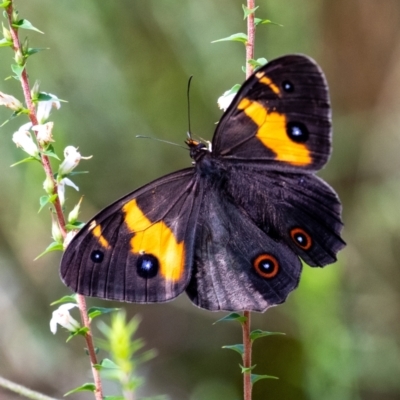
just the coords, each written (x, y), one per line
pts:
(236, 265)
(139, 249)
(279, 119)
(299, 209)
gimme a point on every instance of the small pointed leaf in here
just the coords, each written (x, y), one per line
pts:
(76, 225)
(81, 331)
(259, 21)
(17, 69)
(55, 246)
(5, 3)
(247, 369)
(257, 63)
(258, 333)
(113, 398)
(91, 387)
(65, 299)
(237, 37)
(106, 364)
(233, 317)
(239, 348)
(46, 200)
(94, 312)
(25, 160)
(247, 11)
(31, 51)
(5, 43)
(254, 378)
(25, 24)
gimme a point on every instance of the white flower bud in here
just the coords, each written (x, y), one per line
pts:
(10, 102)
(72, 158)
(62, 317)
(22, 138)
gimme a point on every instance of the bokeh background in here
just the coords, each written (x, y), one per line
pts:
(123, 67)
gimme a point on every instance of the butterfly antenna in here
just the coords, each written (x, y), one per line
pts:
(161, 140)
(188, 103)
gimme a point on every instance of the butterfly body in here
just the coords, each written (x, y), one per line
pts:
(229, 230)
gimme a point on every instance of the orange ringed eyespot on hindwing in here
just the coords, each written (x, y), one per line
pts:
(301, 238)
(266, 265)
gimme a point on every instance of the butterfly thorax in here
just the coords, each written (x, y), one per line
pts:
(205, 163)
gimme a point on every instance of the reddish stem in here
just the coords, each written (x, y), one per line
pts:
(251, 35)
(57, 204)
(247, 385)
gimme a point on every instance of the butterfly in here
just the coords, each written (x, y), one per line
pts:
(231, 229)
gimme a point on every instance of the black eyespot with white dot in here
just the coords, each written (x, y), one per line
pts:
(97, 256)
(266, 265)
(301, 238)
(297, 132)
(288, 86)
(147, 266)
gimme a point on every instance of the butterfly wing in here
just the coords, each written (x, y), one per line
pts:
(138, 249)
(280, 118)
(299, 209)
(236, 265)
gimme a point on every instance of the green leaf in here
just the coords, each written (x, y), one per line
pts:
(258, 333)
(233, 317)
(25, 24)
(94, 312)
(55, 246)
(5, 3)
(81, 331)
(257, 63)
(237, 37)
(86, 387)
(44, 200)
(254, 378)
(106, 364)
(247, 11)
(259, 21)
(247, 369)
(50, 152)
(239, 348)
(17, 69)
(48, 97)
(31, 51)
(25, 160)
(65, 299)
(75, 225)
(5, 43)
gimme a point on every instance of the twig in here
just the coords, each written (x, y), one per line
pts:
(57, 204)
(22, 390)
(247, 385)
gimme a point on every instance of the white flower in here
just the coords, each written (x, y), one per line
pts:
(61, 188)
(226, 99)
(22, 138)
(44, 107)
(10, 102)
(72, 158)
(62, 317)
(44, 133)
(68, 238)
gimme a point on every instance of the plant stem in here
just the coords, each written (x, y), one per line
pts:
(247, 385)
(23, 391)
(251, 35)
(57, 204)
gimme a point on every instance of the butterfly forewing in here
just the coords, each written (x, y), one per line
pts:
(280, 118)
(139, 249)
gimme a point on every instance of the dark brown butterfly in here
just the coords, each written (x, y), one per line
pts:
(231, 229)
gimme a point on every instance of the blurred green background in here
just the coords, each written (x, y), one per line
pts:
(123, 67)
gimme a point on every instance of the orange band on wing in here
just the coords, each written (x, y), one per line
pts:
(267, 81)
(156, 239)
(272, 133)
(96, 230)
